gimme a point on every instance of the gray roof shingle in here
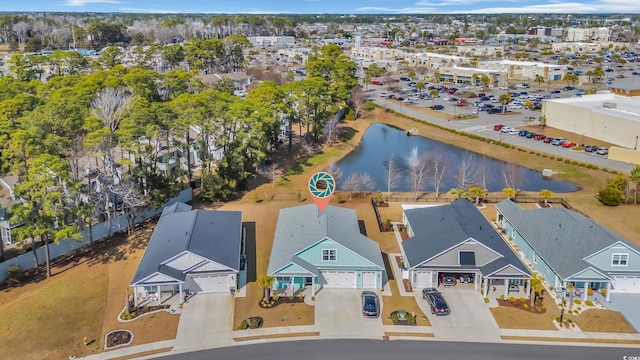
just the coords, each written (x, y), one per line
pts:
(560, 236)
(439, 228)
(302, 226)
(213, 234)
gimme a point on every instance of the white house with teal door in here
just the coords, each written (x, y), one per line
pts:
(323, 249)
(566, 248)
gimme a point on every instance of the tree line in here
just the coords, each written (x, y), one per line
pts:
(88, 147)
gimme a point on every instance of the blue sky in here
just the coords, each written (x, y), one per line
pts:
(326, 6)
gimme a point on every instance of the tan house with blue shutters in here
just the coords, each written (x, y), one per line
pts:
(323, 249)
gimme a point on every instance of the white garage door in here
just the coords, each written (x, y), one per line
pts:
(212, 283)
(424, 279)
(626, 284)
(369, 280)
(340, 279)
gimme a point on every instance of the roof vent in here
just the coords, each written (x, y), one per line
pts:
(609, 105)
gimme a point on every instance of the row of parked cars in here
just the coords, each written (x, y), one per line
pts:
(558, 141)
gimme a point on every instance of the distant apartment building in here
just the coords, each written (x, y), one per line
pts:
(294, 55)
(377, 53)
(433, 60)
(545, 31)
(589, 34)
(272, 40)
(481, 50)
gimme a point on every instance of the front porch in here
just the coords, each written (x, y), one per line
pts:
(292, 285)
(496, 287)
(158, 295)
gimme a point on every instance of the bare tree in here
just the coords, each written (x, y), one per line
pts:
(467, 170)
(483, 172)
(367, 182)
(393, 174)
(21, 29)
(351, 184)
(273, 172)
(512, 176)
(334, 170)
(438, 169)
(418, 171)
(131, 199)
(357, 99)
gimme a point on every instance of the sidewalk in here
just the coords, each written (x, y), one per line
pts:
(130, 351)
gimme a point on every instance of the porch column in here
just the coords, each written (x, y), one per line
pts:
(158, 293)
(586, 289)
(506, 288)
(476, 284)
(135, 296)
(180, 294)
(527, 288)
(607, 297)
(313, 286)
(485, 289)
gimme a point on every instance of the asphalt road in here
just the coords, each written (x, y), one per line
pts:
(407, 349)
(483, 126)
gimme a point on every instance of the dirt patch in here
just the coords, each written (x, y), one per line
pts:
(512, 318)
(524, 305)
(600, 320)
(283, 315)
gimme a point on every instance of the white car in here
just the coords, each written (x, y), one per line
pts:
(513, 132)
(494, 99)
(506, 129)
(515, 106)
(384, 95)
(504, 88)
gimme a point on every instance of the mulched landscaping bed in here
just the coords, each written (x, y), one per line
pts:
(280, 300)
(402, 322)
(538, 307)
(251, 323)
(118, 338)
(141, 310)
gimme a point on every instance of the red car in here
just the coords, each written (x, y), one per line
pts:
(498, 127)
(461, 103)
(482, 94)
(547, 140)
(471, 96)
(538, 137)
(568, 144)
(376, 82)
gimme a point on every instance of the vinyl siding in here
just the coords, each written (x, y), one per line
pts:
(451, 257)
(344, 258)
(603, 260)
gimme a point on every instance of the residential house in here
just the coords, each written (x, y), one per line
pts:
(241, 80)
(190, 251)
(457, 239)
(566, 247)
(7, 198)
(323, 249)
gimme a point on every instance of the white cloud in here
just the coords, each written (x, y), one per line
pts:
(86, 2)
(407, 10)
(552, 6)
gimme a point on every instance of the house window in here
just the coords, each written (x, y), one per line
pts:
(619, 259)
(328, 254)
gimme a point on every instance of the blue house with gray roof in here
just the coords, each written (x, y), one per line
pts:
(190, 250)
(323, 249)
(566, 247)
(456, 239)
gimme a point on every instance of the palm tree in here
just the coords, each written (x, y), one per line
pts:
(539, 79)
(563, 61)
(571, 289)
(536, 288)
(528, 105)
(510, 193)
(458, 193)
(504, 99)
(543, 121)
(436, 76)
(546, 194)
(590, 76)
(477, 193)
(420, 85)
(266, 282)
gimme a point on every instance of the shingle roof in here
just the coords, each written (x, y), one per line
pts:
(439, 228)
(560, 236)
(302, 226)
(212, 234)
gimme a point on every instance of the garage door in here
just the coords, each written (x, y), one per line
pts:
(424, 279)
(626, 285)
(339, 279)
(369, 280)
(213, 283)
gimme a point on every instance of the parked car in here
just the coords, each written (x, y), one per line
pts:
(538, 137)
(438, 304)
(568, 144)
(590, 148)
(465, 278)
(376, 82)
(568, 88)
(426, 291)
(461, 103)
(555, 91)
(558, 141)
(523, 133)
(370, 304)
(404, 78)
(506, 129)
(436, 107)
(602, 151)
(547, 140)
(513, 132)
(498, 127)
(448, 280)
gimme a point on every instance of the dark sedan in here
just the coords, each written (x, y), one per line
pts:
(436, 107)
(590, 148)
(370, 304)
(438, 304)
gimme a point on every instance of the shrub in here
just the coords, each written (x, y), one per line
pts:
(501, 297)
(486, 300)
(15, 275)
(569, 321)
(603, 292)
(290, 297)
(605, 169)
(588, 303)
(537, 153)
(582, 164)
(522, 300)
(589, 166)
(411, 320)
(145, 308)
(545, 156)
(577, 301)
(532, 152)
(243, 325)
(368, 106)
(552, 157)
(567, 161)
(512, 299)
(276, 296)
(524, 305)
(590, 291)
(394, 317)
(573, 162)
(341, 200)
(255, 323)
(558, 319)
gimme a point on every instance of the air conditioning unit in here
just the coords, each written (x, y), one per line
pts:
(609, 105)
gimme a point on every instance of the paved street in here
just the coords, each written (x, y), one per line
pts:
(402, 349)
(206, 321)
(483, 126)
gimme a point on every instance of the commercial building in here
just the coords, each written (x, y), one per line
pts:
(377, 53)
(526, 70)
(272, 40)
(576, 47)
(578, 34)
(464, 76)
(294, 55)
(434, 60)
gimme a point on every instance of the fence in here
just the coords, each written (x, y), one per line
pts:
(99, 231)
(375, 210)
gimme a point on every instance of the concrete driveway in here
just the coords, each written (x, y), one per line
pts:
(206, 321)
(338, 313)
(470, 318)
(625, 303)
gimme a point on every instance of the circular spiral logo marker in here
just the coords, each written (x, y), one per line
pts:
(321, 186)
